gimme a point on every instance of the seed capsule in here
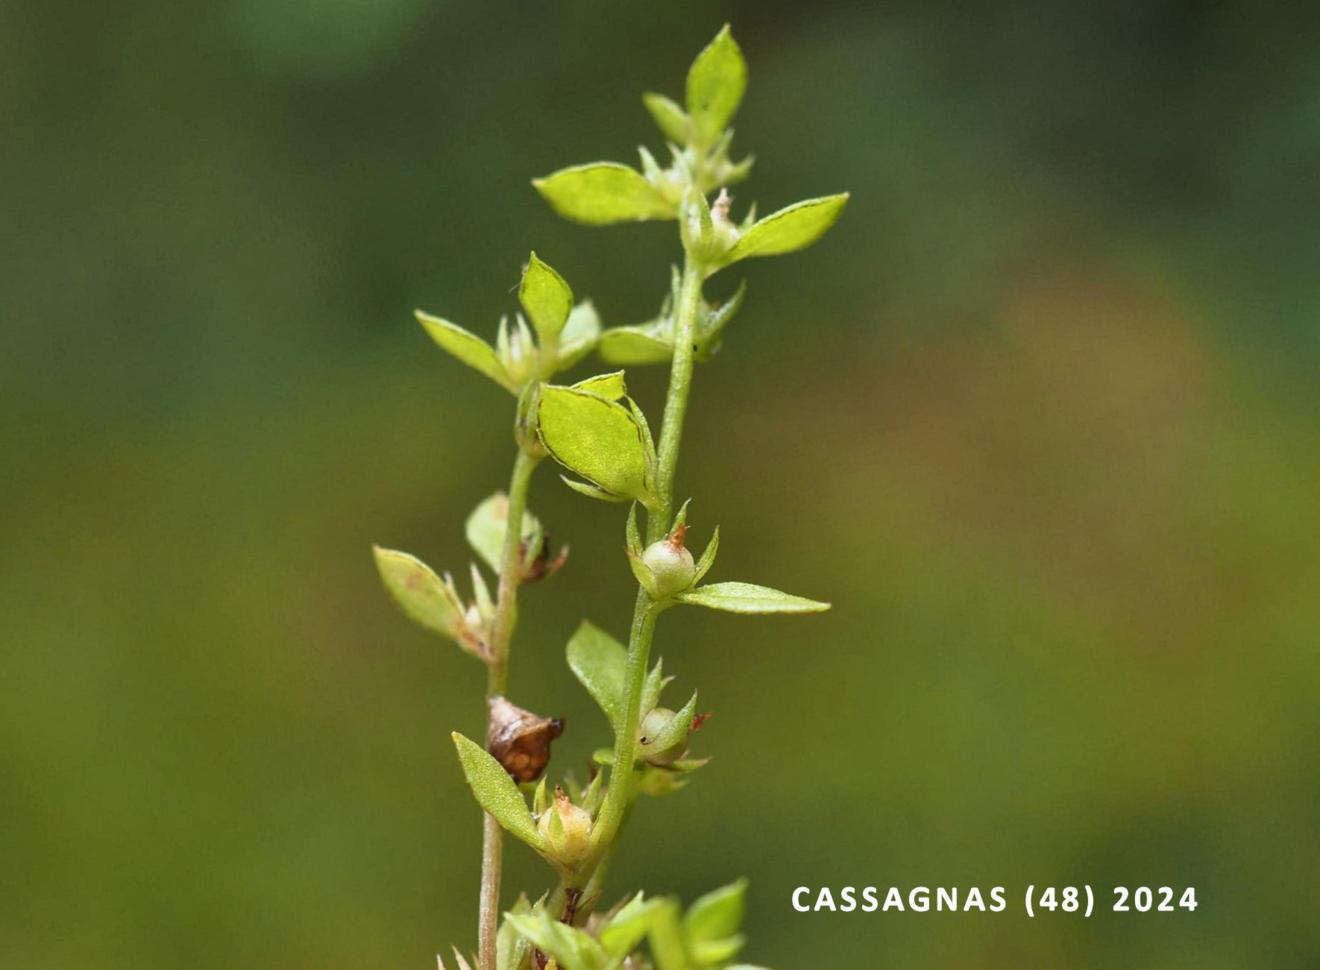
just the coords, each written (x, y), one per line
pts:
(671, 564)
(566, 829)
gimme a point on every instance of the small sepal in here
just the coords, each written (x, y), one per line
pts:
(565, 829)
(663, 733)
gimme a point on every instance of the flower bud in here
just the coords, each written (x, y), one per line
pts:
(566, 829)
(652, 726)
(672, 567)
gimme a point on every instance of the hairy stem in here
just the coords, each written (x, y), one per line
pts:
(502, 626)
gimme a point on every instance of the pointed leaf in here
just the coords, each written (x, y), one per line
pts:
(546, 298)
(579, 336)
(600, 664)
(628, 926)
(467, 347)
(635, 345)
(668, 116)
(419, 592)
(496, 792)
(602, 193)
(789, 229)
(570, 947)
(609, 386)
(598, 439)
(715, 85)
(748, 598)
(508, 937)
(487, 525)
(718, 914)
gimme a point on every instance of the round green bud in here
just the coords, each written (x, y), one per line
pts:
(671, 565)
(654, 723)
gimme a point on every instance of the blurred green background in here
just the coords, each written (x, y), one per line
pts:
(1038, 416)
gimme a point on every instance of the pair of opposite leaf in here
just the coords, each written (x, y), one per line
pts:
(603, 193)
(705, 937)
(434, 602)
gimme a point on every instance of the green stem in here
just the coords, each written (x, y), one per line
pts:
(657, 523)
(506, 600)
(497, 676)
(618, 797)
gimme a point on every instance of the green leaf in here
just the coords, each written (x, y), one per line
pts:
(597, 439)
(668, 116)
(489, 522)
(507, 939)
(602, 193)
(546, 298)
(496, 792)
(718, 914)
(579, 336)
(641, 344)
(790, 229)
(609, 386)
(571, 948)
(716, 953)
(628, 926)
(600, 664)
(748, 598)
(420, 593)
(715, 85)
(467, 347)
(708, 556)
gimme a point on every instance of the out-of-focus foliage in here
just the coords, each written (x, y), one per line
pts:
(1048, 400)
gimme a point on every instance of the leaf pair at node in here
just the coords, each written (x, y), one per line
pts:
(706, 937)
(564, 333)
(434, 602)
(652, 342)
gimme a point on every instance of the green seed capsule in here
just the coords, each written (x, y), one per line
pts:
(671, 565)
(652, 725)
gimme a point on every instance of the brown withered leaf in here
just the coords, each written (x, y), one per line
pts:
(520, 740)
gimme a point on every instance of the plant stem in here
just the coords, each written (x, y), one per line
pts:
(497, 676)
(680, 384)
(506, 601)
(657, 523)
(618, 797)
